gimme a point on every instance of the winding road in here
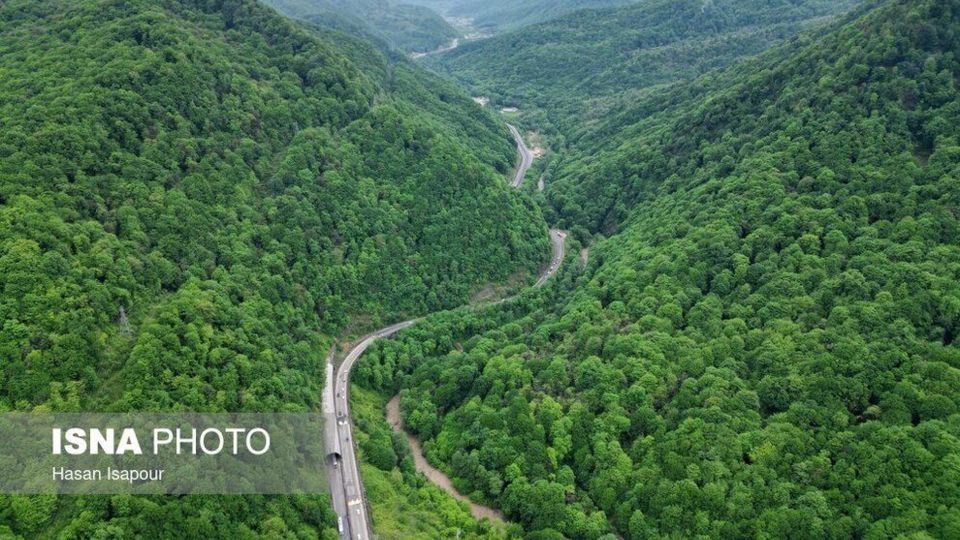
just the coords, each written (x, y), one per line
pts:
(526, 157)
(558, 239)
(439, 50)
(349, 500)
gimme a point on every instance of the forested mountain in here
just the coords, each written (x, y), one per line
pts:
(502, 15)
(406, 27)
(767, 347)
(581, 64)
(195, 196)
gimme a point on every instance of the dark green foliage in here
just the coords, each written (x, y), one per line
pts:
(405, 27)
(195, 196)
(124, 516)
(378, 449)
(705, 127)
(767, 347)
(168, 182)
(404, 504)
(586, 65)
(502, 15)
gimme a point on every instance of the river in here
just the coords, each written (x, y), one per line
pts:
(432, 473)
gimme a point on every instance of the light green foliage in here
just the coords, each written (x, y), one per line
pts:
(586, 66)
(766, 345)
(406, 27)
(503, 15)
(404, 504)
(239, 187)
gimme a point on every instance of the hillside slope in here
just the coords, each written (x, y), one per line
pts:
(574, 65)
(406, 27)
(769, 347)
(195, 196)
(504, 15)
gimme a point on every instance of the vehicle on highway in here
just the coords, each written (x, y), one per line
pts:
(348, 484)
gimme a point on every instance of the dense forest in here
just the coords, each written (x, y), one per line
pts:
(589, 64)
(753, 334)
(404, 504)
(405, 27)
(502, 15)
(765, 346)
(195, 197)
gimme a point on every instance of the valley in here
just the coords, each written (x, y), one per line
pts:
(349, 499)
(651, 375)
(561, 269)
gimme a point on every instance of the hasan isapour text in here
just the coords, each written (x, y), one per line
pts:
(62, 474)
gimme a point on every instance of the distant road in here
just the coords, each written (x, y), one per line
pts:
(558, 238)
(349, 500)
(440, 50)
(526, 157)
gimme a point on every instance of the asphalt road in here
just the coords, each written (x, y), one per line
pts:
(349, 500)
(526, 158)
(440, 50)
(352, 508)
(558, 238)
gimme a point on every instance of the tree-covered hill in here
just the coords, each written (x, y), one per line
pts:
(768, 347)
(406, 27)
(503, 15)
(195, 196)
(573, 65)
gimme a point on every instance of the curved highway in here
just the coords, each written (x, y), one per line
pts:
(439, 50)
(526, 157)
(558, 239)
(349, 500)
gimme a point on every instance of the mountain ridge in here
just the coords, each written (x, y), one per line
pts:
(566, 67)
(764, 344)
(406, 27)
(197, 197)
